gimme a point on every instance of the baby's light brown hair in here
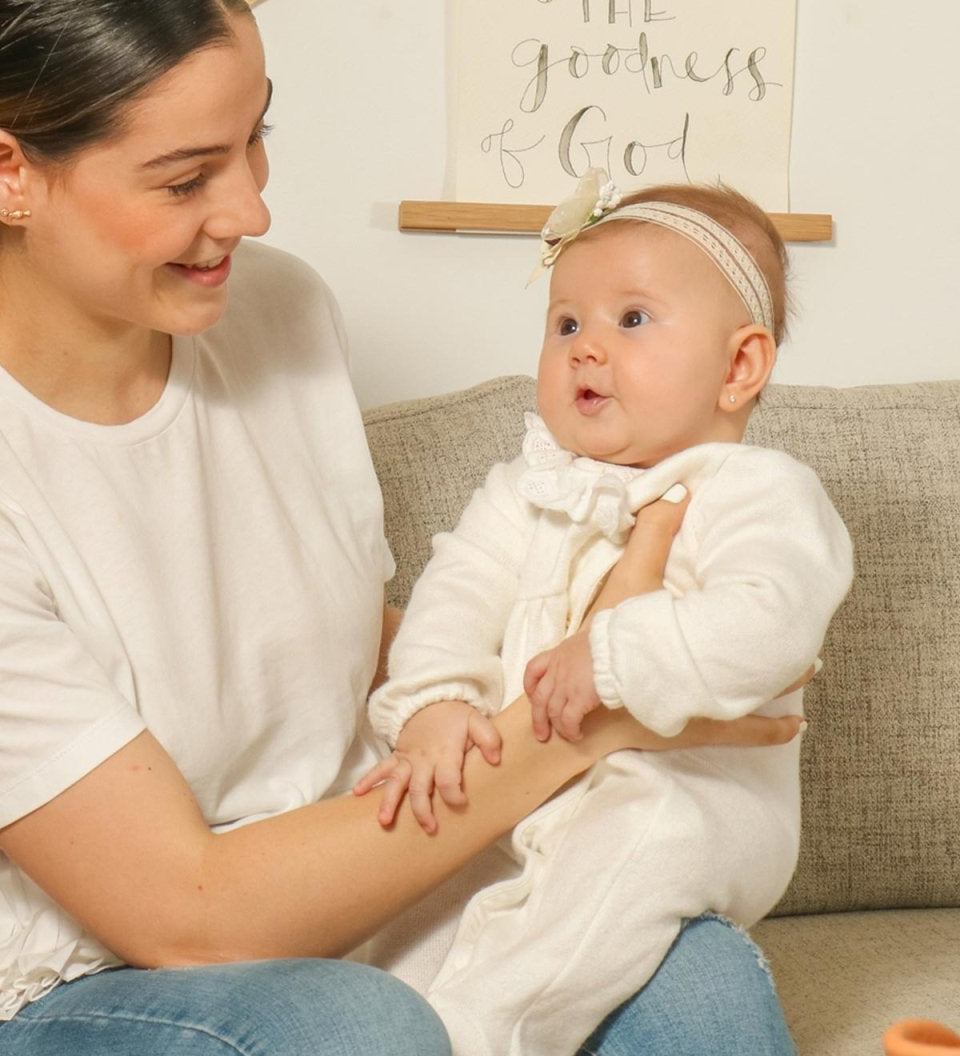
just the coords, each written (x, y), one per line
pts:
(744, 219)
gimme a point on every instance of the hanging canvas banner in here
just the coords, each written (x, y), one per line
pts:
(650, 90)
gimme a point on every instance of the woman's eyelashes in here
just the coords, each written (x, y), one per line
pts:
(261, 133)
(188, 186)
(179, 190)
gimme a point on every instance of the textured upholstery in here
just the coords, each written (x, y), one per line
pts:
(881, 761)
(844, 977)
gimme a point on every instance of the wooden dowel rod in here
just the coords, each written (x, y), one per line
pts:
(529, 219)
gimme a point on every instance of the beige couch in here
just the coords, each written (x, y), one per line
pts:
(869, 930)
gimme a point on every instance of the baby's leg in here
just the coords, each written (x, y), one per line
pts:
(539, 962)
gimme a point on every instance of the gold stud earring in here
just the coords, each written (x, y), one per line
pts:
(14, 214)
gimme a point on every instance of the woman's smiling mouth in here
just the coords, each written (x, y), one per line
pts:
(213, 273)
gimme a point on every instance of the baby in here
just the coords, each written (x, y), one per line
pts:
(666, 309)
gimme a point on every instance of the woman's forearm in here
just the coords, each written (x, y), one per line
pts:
(126, 851)
(343, 876)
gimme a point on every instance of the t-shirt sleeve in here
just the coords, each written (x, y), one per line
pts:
(60, 716)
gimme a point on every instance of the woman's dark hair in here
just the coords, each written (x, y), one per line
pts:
(69, 67)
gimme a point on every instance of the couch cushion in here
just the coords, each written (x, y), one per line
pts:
(843, 978)
(431, 453)
(881, 762)
(881, 766)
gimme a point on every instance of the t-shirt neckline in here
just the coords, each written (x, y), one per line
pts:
(149, 424)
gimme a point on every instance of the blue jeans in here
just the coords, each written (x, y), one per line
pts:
(711, 997)
(252, 1008)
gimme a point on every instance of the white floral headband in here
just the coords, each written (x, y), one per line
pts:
(597, 201)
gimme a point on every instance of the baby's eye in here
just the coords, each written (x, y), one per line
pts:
(634, 318)
(568, 326)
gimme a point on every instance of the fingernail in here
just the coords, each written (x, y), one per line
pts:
(675, 494)
(803, 726)
(817, 665)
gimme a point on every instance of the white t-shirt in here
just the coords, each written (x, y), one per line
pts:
(212, 571)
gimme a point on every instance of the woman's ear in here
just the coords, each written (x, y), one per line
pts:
(752, 354)
(13, 167)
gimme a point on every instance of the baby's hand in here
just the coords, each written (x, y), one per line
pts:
(429, 757)
(559, 683)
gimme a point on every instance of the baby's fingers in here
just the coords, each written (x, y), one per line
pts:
(421, 798)
(449, 780)
(569, 720)
(394, 789)
(538, 694)
(380, 772)
(486, 737)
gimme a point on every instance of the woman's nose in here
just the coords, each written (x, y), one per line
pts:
(242, 210)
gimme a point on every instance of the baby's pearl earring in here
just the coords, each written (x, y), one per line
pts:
(732, 398)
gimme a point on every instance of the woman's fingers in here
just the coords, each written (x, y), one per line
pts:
(658, 522)
(749, 731)
(642, 564)
(612, 730)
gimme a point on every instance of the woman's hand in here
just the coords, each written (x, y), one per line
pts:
(614, 730)
(559, 682)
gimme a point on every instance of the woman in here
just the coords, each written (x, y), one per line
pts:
(191, 584)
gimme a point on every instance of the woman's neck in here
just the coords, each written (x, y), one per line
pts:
(109, 375)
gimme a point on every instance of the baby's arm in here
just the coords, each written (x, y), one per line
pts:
(448, 646)
(769, 562)
(428, 758)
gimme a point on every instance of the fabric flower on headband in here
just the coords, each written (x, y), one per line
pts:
(595, 196)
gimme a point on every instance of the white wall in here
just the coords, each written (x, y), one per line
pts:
(360, 110)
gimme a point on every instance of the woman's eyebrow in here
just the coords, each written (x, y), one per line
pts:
(186, 153)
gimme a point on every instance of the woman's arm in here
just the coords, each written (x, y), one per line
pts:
(392, 617)
(127, 852)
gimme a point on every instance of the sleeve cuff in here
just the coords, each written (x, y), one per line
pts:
(391, 709)
(603, 680)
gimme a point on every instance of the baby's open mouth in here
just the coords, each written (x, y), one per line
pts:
(589, 399)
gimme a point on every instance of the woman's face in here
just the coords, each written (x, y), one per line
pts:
(138, 230)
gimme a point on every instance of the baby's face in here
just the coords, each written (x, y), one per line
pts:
(637, 346)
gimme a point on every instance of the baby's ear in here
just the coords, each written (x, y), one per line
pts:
(752, 353)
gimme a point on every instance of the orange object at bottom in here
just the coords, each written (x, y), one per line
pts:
(920, 1037)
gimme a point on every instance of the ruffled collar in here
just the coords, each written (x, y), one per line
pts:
(600, 494)
(603, 496)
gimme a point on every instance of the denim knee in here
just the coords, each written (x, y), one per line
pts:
(712, 993)
(262, 1008)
